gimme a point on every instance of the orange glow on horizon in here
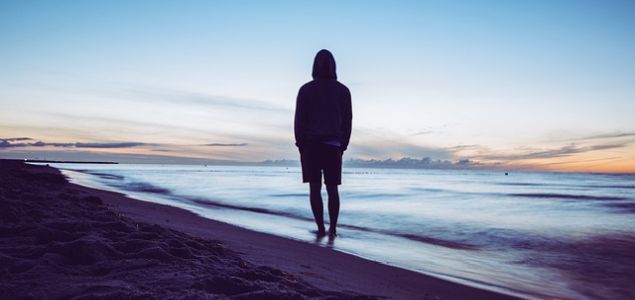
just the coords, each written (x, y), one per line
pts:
(622, 161)
(600, 162)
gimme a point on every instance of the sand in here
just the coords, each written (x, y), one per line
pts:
(60, 240)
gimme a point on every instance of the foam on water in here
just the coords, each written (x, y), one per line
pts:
(538, 235)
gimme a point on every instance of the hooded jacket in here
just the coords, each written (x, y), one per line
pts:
(323, 110)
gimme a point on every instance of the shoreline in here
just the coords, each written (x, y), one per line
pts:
(320, 267)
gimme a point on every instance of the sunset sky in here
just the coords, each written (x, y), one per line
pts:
(546, 85)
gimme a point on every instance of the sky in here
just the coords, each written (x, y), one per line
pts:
(540, 85)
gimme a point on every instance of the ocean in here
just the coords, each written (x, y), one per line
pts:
(531, 234)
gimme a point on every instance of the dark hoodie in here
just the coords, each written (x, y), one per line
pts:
(323, 107)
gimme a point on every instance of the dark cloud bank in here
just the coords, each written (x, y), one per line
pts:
(29, 142)
(403, 163)
(25, 142)
(225, 145)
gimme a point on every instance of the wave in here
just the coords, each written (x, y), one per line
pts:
(592, 186)
(146, 188)
(290, 195)
(532, 195)
(628, 207)
(248, 208)
(613, 186)
(413, 237)
(564, 196)
(432, 190)
(102, 175)
(435, 241)
(356, 195)
(521, 183)
(376, 195)
(136, 186)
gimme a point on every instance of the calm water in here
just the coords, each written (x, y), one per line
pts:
(538, 235)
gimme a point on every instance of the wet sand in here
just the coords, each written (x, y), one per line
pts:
(60, 240)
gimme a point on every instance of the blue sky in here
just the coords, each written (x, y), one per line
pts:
(547, 84)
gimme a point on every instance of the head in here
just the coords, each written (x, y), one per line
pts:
(324, 65)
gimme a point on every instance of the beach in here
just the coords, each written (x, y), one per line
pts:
(61, 240)
(536, 235)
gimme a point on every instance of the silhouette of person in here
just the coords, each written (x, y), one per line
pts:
(323, 120)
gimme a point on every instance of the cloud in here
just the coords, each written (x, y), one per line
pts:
(43, 144)
(424, 132)
(551, 153)
(5, 143)
(465, 147)
(414, 163)
(183, 97)
(112, 145)
(8, 144)
(225, 145)
(607, 136)
(17, 139)
(582, 161)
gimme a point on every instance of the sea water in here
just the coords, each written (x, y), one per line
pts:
(534, 235)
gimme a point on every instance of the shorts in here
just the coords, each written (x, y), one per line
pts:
(317, 158)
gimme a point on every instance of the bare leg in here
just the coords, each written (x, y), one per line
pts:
(315, 196)
(334, 207)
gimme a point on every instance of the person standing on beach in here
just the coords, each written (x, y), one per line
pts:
(323, 123)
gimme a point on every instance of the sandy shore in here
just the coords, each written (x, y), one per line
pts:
(60, 240)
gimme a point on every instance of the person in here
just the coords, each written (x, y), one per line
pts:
(323, 122)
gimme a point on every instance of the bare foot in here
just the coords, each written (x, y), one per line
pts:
(321, 232)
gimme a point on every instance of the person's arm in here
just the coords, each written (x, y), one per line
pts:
(347, 122)
(299, 120)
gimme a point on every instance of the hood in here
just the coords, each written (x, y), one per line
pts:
(324, 65)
